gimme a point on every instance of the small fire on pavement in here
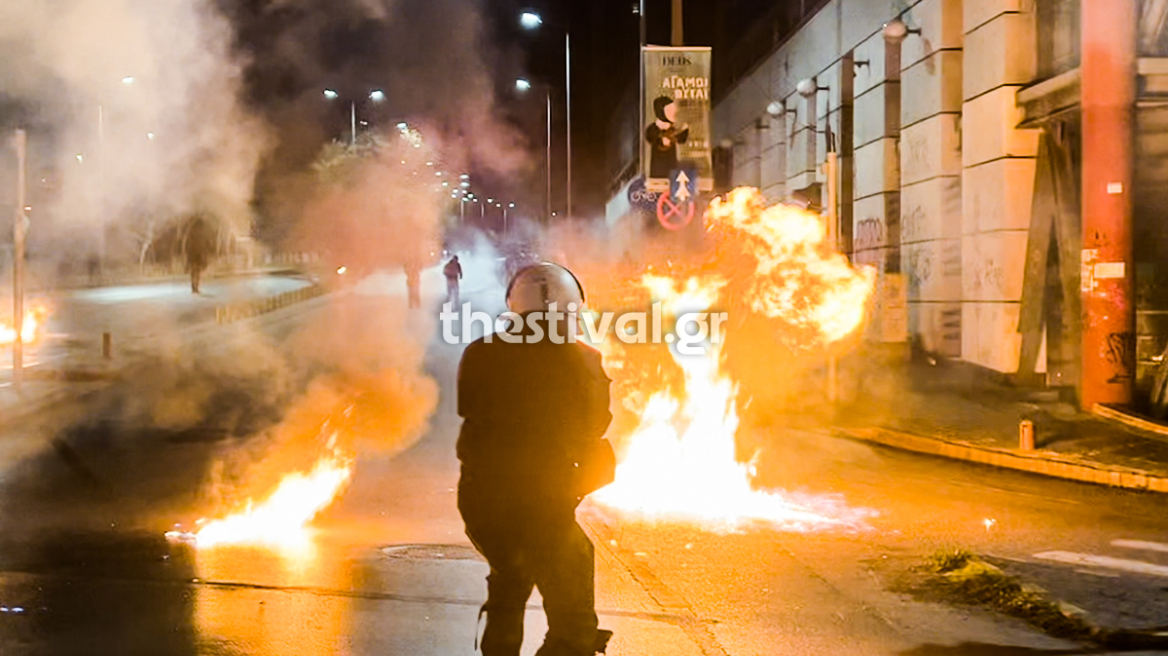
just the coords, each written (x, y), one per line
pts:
(770, 267)
(282, 517)
(34, 321)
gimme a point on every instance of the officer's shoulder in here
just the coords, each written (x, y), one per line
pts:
(591, 354)
(475, 348)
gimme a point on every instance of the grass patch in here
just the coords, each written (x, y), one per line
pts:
(962, 577)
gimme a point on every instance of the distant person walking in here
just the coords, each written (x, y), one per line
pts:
(414, 282)
(453, 271)
(198, 247)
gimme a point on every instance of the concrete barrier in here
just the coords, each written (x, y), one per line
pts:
(225, 314)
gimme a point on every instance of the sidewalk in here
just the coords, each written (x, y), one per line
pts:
(980, 423)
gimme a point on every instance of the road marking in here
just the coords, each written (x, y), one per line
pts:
(1141, 544)
(1091, 560)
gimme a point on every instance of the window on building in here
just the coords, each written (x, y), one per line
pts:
(1058, 37)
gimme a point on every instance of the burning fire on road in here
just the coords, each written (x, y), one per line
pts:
(281, 519)
(784, 287)
(34, 321)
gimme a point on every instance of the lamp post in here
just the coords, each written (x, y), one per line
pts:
(20, 141)
(531, 20)
(376, 95)
(127, 81)
(524, 85)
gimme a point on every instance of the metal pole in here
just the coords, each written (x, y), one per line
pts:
(18, 231)
(353, 120)
(833, 239)
(1108, 102)
(568, 103)
(549, 154)
(678, 31)
(641, 98)
(101, 186)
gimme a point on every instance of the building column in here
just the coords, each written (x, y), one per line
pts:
(999, 57)
(876, 164)
(930, 156)
(1108, 101)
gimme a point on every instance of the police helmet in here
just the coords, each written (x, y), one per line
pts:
(535, 287)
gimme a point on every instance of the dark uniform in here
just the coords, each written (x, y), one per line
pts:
(533, 415)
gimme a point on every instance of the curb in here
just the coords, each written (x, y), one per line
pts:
(1038, 462)
(1129, 420)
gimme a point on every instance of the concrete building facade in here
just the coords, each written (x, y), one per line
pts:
(937, 109)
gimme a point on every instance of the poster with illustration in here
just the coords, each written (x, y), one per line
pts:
(676, 134)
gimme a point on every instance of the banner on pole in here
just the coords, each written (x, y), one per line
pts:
(676, 134)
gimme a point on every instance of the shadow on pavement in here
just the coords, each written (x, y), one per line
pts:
(983, 649)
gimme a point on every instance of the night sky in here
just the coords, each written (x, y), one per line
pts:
(421, 51)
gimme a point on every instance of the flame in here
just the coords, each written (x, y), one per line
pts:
(282, 518)
(34, 319)
(680, 461)
(784, 268)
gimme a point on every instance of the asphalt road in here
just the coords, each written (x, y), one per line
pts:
(389, 571)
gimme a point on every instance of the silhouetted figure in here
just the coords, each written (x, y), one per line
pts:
(531, 447)
(453, 271)
(199, 247)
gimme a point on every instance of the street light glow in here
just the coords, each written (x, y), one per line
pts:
(522, 84)
(331, 94)
(530, 20)
(377, 95)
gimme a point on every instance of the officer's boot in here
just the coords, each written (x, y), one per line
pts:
(602, 638)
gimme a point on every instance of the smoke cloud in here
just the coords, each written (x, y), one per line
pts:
(133, 113)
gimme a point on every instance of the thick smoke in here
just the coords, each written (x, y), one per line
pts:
(135, 117)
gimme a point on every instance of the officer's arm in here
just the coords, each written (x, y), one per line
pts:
(468, 384)
(598, 415)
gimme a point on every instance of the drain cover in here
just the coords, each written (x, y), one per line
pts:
(431, 552)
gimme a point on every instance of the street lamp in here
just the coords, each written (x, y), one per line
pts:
(524, 85)
(127, 81)
(531, 21)
(377, 96)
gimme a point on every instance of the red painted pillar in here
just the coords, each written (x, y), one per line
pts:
(1108, 100)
